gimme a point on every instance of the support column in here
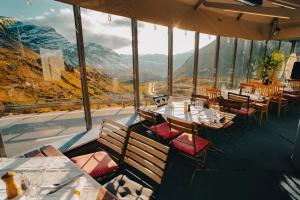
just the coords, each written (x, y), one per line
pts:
(196, 62)
(293, 48)
(216, 61)
(266, 47)
(279, 45)
(170, 61)
(82, 66)
(135, 63)
(249, 61)
(233, 62)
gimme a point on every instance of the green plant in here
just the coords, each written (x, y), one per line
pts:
(271, 64)
(6, 22)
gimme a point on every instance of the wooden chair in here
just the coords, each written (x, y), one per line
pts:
(189, 144)
(247, 88)
(161, 130)
(294, 95)
(160, 100)
(240, 105)
(106, 162)
(143, 169)
(213, 95)
(275, 93)
(195, 97)
(262, 106)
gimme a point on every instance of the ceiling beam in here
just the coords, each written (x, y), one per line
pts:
(262, 11)
(198, 4)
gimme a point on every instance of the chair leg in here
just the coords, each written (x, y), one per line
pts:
(261, 115)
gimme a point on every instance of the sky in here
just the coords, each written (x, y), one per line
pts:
(110, 31)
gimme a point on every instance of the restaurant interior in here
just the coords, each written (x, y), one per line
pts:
(172, 99)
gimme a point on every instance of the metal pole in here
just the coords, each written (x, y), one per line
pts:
(266, 47)
(279, 45)
(293, 48)
(233, 62)
(170, 61)
(196, 62)
(82, 66)
(216, 61)
(135, 63)
(249, 62)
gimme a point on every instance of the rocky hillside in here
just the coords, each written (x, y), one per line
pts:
(21, 79)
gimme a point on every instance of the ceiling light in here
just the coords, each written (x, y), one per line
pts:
(283, 5)
(251, 2)
(259, 14)
(276, 31)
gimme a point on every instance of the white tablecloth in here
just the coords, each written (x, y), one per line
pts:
(47, 171)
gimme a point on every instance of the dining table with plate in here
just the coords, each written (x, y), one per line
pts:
(254, 97)
(206, 117)
(50, 178)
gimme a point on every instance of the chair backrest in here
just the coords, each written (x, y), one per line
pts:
(295, 85)
(160, 100)
(146, 156)
(213, 94)
(249, 88)
(275, 90)
(238, 100)
(199, 97)
(113, 135)
(148, 115)
(181, 125)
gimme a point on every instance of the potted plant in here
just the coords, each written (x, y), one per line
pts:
(270, 65)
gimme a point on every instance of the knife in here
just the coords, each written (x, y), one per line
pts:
(64, 183)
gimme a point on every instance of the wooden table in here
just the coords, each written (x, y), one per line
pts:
(53, 167)
(202, 117)
(253, 97)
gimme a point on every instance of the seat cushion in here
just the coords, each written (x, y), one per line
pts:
(125, 188)
(96, 164)
(185, 143)
(243, 111)
(163, 130)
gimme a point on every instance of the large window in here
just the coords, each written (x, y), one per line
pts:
(153, 61)
(286, 47)
(273, 45)
(258, 54)
(225, 67)
(183, 63)
(40, 87)
(298, 48)
(206, 68)
(242, 62)
(108, 55)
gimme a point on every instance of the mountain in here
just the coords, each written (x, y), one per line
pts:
(22, 79)
(37, 37)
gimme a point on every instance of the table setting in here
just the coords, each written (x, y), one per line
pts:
(46, 178)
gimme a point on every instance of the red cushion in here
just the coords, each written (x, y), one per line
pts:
(96, 164)
(243, 111)
(163, 130)
(185, 143)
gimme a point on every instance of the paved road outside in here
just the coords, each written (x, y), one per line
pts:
(25, 132)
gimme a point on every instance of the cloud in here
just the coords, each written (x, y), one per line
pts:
(94, 27)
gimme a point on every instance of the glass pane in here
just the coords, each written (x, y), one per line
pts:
(272, 46)
(225, 67)
(286, 47)
(242, 61)
(206, 67)
(298, 48)
(108, 52)
(39, 75)
(153, 61)
(257, 58)
(183, 63)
